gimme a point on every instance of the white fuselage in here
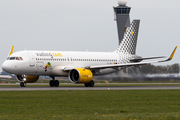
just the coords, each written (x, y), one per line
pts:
(36, 62)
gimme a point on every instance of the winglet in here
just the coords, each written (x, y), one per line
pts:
(172, 55)
(11, 50)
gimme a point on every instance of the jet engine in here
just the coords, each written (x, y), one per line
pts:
(27, 79)
(80, 75)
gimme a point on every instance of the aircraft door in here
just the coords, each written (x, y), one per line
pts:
(39, 66)
(32, 59)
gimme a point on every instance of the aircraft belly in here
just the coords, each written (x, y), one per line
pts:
(59, 71)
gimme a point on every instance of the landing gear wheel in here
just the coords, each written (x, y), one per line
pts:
(86, 84)
(56, 83)
(22, 84)
(51, 83)
(91, 84)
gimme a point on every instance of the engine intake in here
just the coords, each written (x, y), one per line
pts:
(27, 79)
(80, 75)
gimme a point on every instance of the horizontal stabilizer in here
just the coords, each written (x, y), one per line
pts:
(141, 59)
(127, 64)
(133, 64)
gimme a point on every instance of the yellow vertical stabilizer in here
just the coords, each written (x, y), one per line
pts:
(11, 50)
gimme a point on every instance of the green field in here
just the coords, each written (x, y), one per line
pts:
(90, 105)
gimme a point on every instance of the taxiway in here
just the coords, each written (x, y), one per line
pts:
(89, 88)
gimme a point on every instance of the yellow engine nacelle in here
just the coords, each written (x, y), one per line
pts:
(80, 75)
(27, 79)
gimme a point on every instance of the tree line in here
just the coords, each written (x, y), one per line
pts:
(152, 69)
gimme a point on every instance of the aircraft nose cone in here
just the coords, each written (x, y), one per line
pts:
(6, 66)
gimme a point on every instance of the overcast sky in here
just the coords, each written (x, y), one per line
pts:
(80, 25)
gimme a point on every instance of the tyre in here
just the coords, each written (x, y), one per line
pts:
(56, 83)
(91, 84)
(51, 83)
(86, 84)
(22, 84)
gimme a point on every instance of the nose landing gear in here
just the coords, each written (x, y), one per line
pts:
(22, 84)
(22, 79)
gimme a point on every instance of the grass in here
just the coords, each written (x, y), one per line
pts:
(92, 105)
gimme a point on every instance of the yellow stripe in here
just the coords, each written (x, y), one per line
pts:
(172, 55)
(11, 50)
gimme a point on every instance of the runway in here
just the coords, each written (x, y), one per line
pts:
(90, 88)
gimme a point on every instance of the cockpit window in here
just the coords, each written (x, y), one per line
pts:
(20, 58)
(12, 58)
(15, 58)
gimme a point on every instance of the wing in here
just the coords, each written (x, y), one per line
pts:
(126, 64)
(133, 64)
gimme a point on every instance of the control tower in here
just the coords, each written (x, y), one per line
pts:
(122, 17)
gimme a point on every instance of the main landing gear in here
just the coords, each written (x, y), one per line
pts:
(22, 84)
(54, 83)
(91, 84)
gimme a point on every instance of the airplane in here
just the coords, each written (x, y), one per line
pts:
(6, 76)
(80, 67)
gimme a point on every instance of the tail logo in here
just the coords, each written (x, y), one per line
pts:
(48, 65)
(128, 44)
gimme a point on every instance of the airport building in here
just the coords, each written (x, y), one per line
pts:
(122, 18)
